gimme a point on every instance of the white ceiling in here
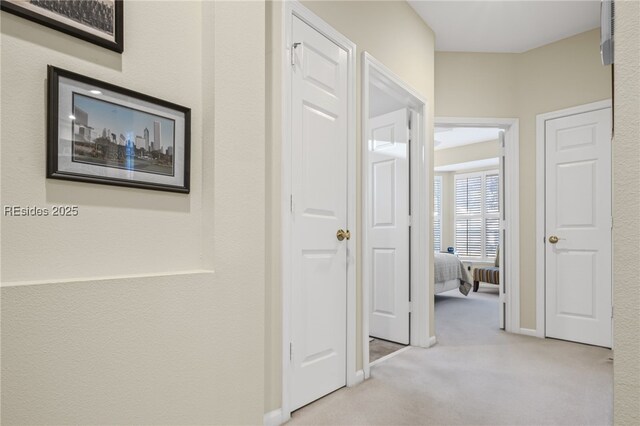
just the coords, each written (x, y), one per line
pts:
(511, 26)
(451, 137)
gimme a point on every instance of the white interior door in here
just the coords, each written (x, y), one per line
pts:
(502, 305)
(578, 213)
(319, 210)
(388, 226)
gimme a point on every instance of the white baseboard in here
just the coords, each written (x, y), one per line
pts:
(274, 418)
(530, 332)
(357, 378)
(432, 341)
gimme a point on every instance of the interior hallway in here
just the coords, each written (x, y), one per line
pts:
(476, 375)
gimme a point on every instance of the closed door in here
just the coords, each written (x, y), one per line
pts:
(578, 227)
(388, 226)
(319, 211)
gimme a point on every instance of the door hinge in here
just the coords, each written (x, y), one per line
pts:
(611, 222)
(410, 307)
(293, 50)
(291, 203)
(290, 351)
(410, 221)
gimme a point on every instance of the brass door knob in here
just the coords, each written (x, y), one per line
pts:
(342, 234)
(553, 239)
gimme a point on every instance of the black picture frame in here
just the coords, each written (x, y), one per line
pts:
(68, 26)
(107, 158)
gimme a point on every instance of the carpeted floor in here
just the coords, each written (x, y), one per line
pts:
(379, 348)
(477, 375)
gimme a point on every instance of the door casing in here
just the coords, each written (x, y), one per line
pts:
(290, 9)
(541, 203)
(421, 189)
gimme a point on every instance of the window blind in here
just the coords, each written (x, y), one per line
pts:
(437, 214)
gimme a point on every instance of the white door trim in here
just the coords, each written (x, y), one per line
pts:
(294, 8)
(511, 265)
(541, 201)
(421, 190)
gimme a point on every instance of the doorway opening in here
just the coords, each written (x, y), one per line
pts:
(395, 193)
(475, 228)
(467, 226)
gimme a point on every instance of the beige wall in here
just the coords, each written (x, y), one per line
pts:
(552, 77)
(395, 35)
(129, 323)
(626, 215)
(466, 153)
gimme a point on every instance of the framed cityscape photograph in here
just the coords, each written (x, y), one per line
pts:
(96, 21)
(102, 133)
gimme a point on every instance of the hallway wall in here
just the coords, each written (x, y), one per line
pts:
(626, 215)
(116, 316)
(552, 77)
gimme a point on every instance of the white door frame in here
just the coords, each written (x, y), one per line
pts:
(541, 202)
(511, 267)
(421, 190)
(291, 9)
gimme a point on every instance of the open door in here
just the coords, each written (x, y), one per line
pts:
(502, 305)
(388, 225)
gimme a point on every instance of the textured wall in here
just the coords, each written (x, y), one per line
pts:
(552, 77)
(109, 218)
(395, 35)
(626, 215)
(126, 327)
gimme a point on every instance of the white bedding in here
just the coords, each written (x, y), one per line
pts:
(441, 287)
(449, 272)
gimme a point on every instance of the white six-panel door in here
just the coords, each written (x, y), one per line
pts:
(388, 226)
(578, 213)
(319, 210)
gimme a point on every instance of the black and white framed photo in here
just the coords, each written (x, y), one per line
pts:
(96, 21)
(102, 133)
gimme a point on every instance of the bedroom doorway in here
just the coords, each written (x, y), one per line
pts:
(395, 309)
(475, 227)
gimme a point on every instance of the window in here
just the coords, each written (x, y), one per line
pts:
(437, 213)
(477, 215)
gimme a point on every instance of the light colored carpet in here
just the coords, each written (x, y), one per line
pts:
(379, 348)
(477, 375)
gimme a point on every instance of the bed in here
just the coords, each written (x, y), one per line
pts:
(450, 273)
